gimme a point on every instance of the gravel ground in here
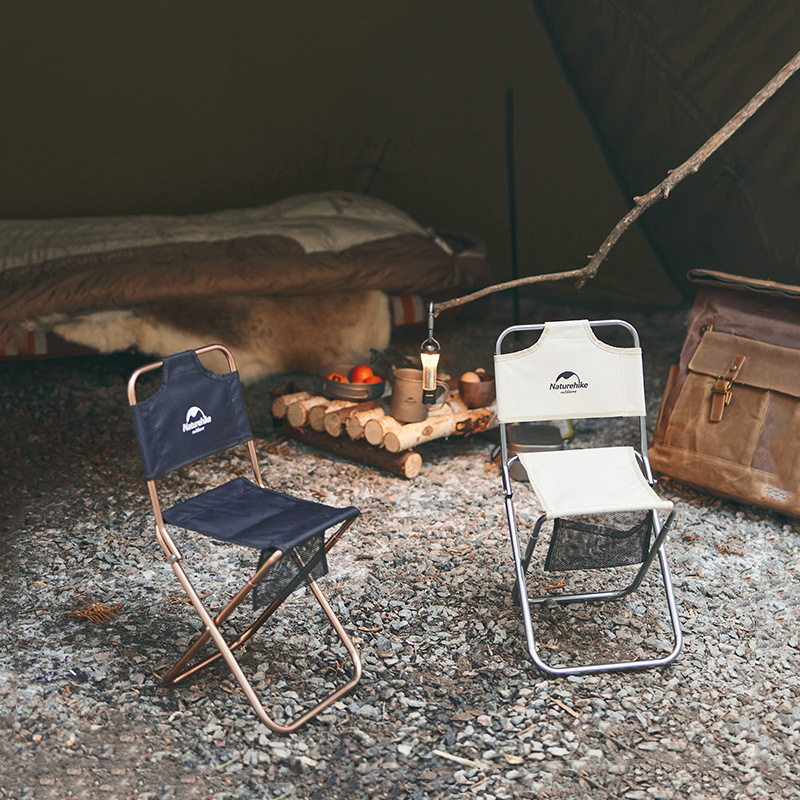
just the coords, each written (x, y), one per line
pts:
(449, 704)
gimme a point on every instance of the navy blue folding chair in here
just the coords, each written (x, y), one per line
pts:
(194, 414)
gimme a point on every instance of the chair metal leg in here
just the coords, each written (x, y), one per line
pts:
(534, 537)
(225, 649)
(654, 549)
(176, 674)
(520, 566)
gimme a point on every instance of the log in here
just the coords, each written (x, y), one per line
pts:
(335, 421)
(464, 423)
(453, 405)
(316, 416)
(406, 464)
(297, 412)
(376, 429)
(356, 421)
(283, 401)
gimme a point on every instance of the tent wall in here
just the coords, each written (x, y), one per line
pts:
(138, 106)
(657, 78)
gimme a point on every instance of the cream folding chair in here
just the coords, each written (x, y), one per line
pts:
(194, 414)
(599, 502)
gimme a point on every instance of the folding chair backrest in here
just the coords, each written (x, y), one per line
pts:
(569, 374)
(194, 413)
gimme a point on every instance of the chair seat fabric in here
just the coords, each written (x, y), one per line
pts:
(244, 513)
(607, 479)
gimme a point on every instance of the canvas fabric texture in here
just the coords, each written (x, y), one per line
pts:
(729, 420)
(194, 414)
(569, 374)
(601, 481)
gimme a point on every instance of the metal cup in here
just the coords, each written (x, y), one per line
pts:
(406, 402)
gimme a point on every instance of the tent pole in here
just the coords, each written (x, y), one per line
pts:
(512, 194)
(374, 168)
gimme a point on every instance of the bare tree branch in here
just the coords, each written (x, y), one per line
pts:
(662, 191)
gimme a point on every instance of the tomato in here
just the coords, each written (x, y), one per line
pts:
(360, 374)
(374, 379)
(335, 377)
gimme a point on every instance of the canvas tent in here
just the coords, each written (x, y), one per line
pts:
(184, 107)
(657, 79)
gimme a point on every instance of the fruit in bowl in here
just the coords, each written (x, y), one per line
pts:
(351, 382)
(362, 373)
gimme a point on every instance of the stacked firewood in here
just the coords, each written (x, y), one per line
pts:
(366, 432)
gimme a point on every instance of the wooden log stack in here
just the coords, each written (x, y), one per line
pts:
(281, 403)
(406, 464)
(357, 421)
(335, 422)
(366, 433)
(462, 423)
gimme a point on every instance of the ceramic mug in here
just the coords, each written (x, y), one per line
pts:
(406, 403)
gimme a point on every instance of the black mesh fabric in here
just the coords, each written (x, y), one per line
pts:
(597, 542)
(306, 561)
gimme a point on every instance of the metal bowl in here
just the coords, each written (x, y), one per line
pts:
(349, 391)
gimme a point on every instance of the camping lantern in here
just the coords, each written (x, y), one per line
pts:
(429, 353)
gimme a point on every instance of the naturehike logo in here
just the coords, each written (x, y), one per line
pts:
(567, 383)
(196, 420)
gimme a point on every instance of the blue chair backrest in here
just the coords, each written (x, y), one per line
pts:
(195, 413)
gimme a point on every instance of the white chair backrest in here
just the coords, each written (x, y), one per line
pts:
(568, 374)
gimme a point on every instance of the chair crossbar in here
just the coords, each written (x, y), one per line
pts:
(177, 673)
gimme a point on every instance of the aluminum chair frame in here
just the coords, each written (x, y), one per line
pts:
(212, 622)
(521, 562)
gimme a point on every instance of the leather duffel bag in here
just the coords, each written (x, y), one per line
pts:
(729, 420)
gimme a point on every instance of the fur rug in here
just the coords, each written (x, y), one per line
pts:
(267, 335)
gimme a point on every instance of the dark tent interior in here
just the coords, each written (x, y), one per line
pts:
(530, 125)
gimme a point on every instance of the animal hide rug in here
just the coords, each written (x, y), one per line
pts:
(267, 335)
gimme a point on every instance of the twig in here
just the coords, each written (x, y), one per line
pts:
(612, 738)
(465, 762)
(98, 612)
(564, 706)
(725, 550)
(642, 203)
(583, 775)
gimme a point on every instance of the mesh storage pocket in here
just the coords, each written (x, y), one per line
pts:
(303, 563)
(596, 542)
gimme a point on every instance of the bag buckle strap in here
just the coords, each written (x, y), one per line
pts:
(722, 390)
